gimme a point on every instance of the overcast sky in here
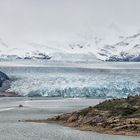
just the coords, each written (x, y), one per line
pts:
(54, 19)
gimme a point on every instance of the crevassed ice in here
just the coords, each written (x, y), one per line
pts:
(86, 84)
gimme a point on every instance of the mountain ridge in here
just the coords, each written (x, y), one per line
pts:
(124, 49)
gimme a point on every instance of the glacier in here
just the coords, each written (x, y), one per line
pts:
(109, 81)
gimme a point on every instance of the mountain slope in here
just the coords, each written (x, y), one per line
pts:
(111, 47)
(126, 50)
(55, 50)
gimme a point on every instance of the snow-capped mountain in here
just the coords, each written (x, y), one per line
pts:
(54, 50)
(81, 46)
(126, 50)
(68, 50)
(111, 47)
(26, 52)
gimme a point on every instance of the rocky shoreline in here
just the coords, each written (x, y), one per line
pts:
(9, 94)
(116, 116)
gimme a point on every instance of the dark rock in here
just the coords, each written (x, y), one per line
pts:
(20, 105)
(3, 77)
(4, 82)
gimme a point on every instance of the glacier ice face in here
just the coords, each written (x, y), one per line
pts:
(75, 82)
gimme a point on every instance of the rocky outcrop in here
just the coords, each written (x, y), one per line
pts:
(5, 82)
(9, 94)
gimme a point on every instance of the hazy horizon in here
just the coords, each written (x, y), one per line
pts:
(39, 20)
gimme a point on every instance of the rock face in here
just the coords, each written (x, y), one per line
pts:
(4, 82)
